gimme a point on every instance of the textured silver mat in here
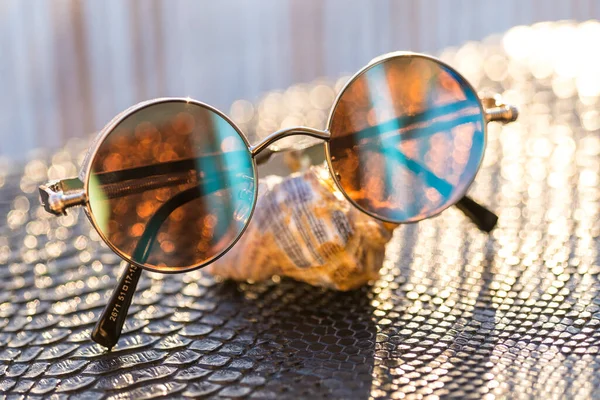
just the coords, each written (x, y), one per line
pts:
(456, 312)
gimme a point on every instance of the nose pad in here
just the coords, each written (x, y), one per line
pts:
(247, 192)
(246, 201)
(242, 212)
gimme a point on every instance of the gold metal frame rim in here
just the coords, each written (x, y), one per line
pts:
(105, 132)
(380, 60)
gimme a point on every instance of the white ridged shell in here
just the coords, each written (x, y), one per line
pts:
(304, 228)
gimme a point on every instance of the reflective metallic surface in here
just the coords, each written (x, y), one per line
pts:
(455, 313)
(407, 138)
(286, 133)
(171, 185)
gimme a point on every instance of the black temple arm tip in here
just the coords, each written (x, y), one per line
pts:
(485, 219)
(103, 339)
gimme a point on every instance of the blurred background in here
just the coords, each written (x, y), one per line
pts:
(67, 67)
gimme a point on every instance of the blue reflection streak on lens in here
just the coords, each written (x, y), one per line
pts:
(392, 151)
(431, 114)
(238, 163)
(216, 174)
(396, 156)
(382, 101)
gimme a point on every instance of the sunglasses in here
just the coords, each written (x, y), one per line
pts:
(171, 184)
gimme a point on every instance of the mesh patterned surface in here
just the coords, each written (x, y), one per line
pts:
(456, 312)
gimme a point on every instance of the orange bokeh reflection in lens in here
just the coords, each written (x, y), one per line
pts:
(156, 155)
(407, 138)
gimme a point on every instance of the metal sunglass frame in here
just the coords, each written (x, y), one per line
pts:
(59, 195)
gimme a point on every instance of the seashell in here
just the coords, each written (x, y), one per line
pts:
(304, 228)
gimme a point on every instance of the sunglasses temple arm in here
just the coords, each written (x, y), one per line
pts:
(110, 324)
(111, 321)
(481, 216)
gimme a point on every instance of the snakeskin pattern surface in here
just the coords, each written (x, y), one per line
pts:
(456, 312)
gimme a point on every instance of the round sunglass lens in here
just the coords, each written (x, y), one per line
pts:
(171, 186)
(407, 138)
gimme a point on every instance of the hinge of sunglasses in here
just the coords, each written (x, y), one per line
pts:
(56, 196)
(497, 110)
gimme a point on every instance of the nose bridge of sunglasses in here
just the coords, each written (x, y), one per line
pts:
(59, 195)
(282, 133)
(496, 110)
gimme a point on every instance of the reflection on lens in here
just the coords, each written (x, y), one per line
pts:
(172, 185)
(407, 138)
